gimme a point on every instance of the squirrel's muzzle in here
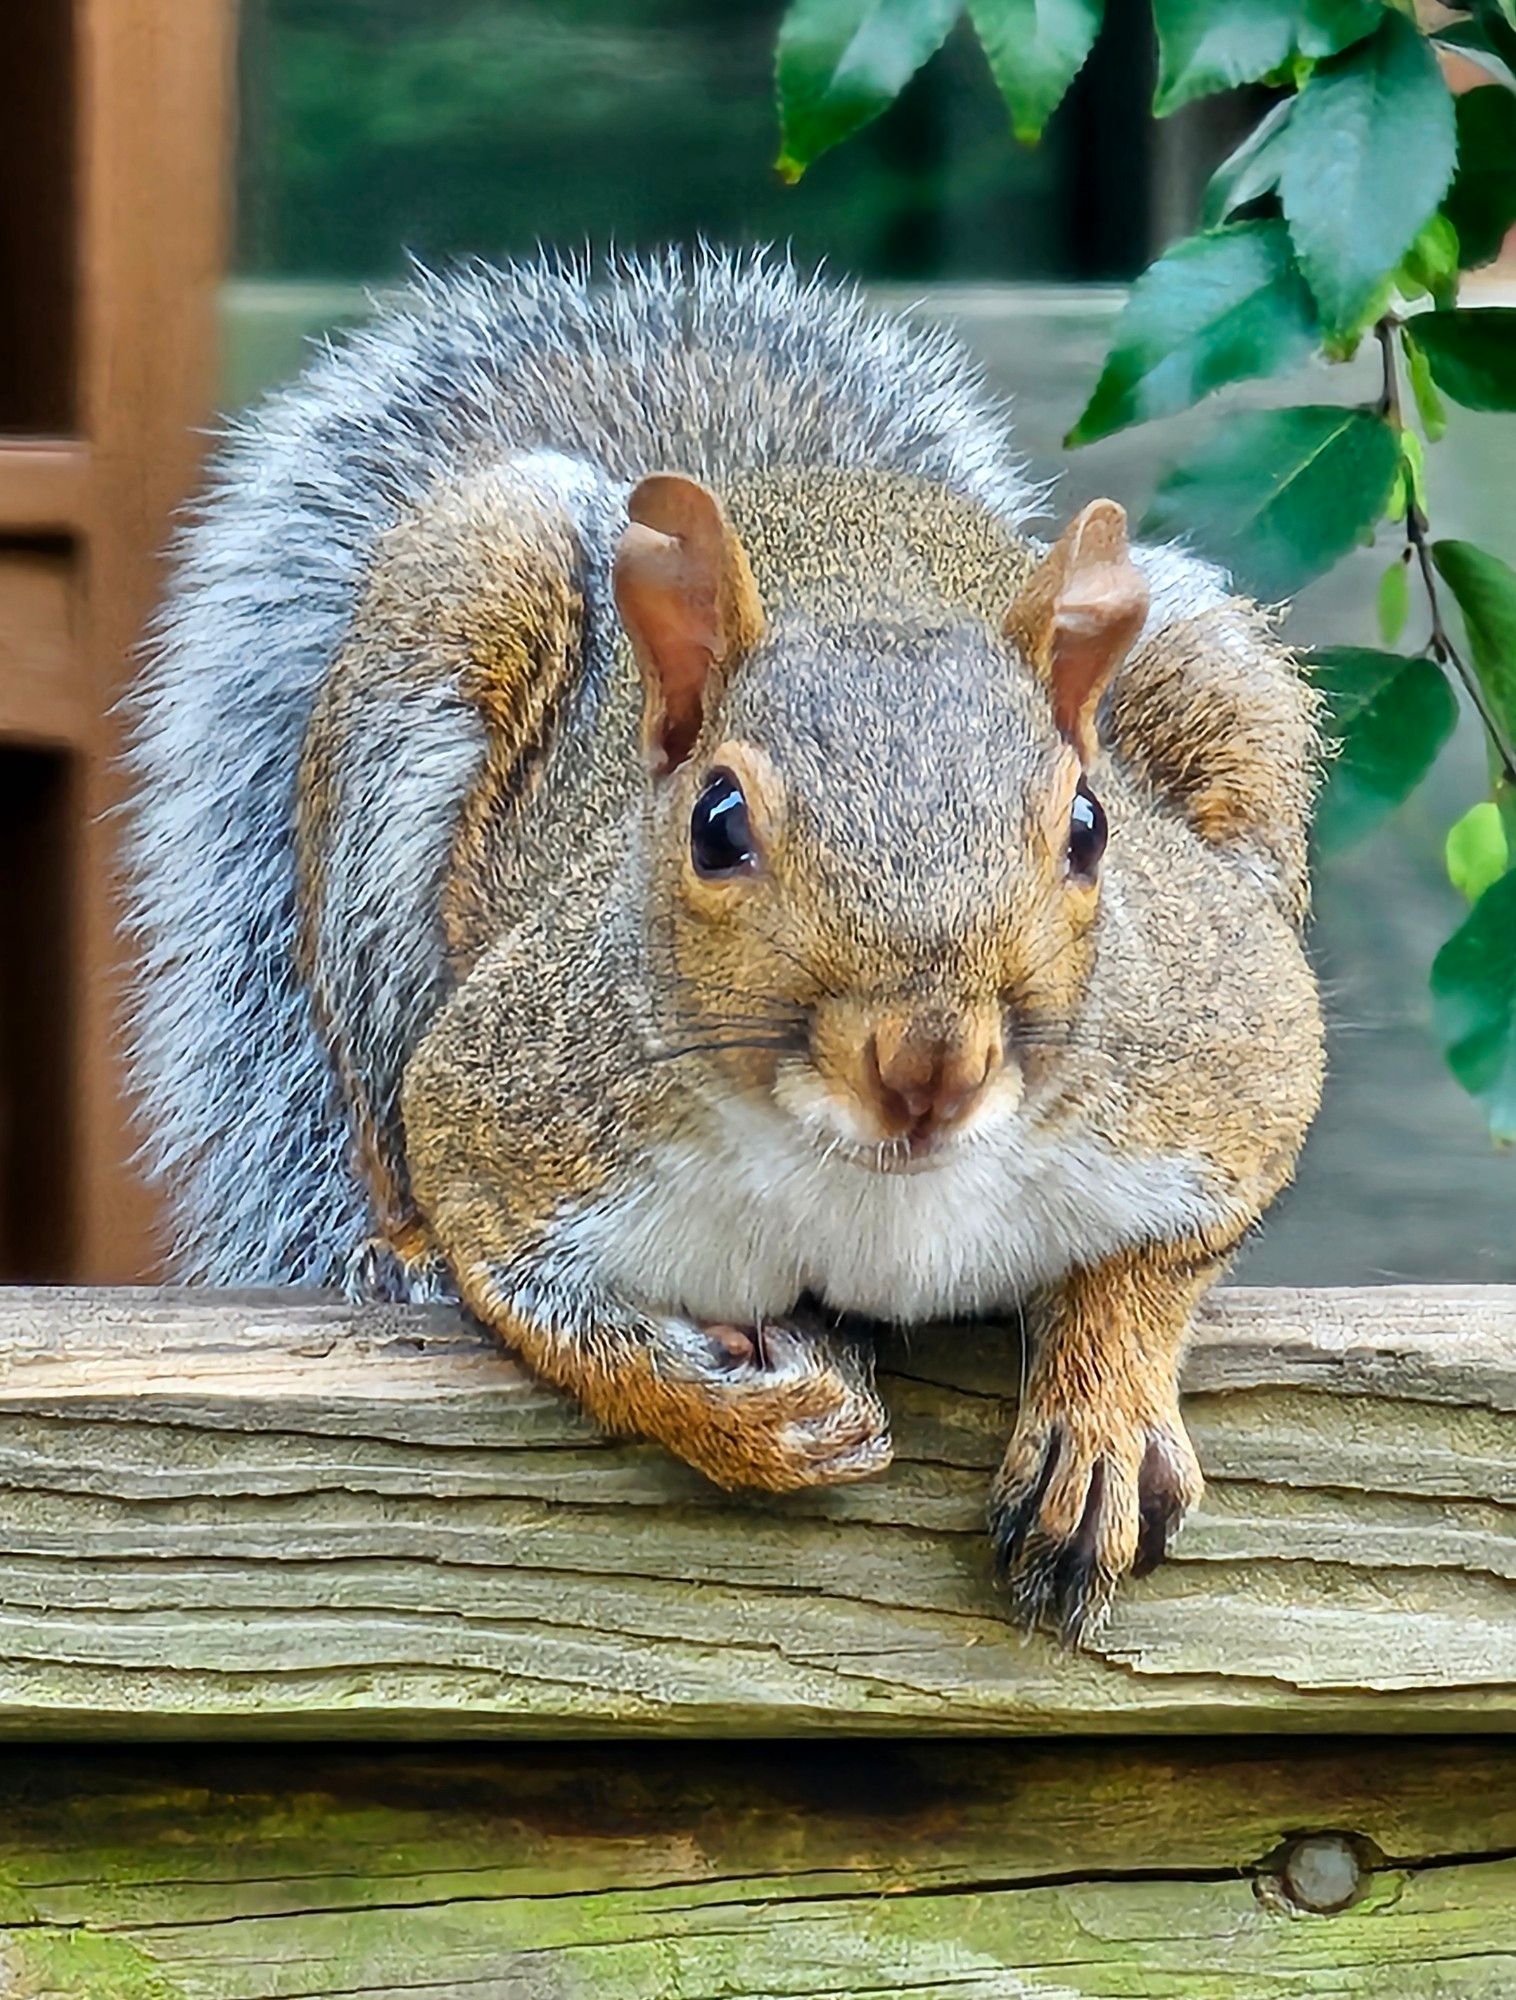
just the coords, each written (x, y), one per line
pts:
(912, 1079)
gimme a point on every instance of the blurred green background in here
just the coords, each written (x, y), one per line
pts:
(445, 126)
(371, 129)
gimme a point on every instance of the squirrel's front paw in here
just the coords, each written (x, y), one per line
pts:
(768, 1406)
(1084, 1497)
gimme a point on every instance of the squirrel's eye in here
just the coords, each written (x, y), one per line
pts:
(721, 840)
(1086, 833)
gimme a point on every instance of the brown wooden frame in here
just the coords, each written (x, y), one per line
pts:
(121, 221)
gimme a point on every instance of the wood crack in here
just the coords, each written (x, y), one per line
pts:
(773, 1894)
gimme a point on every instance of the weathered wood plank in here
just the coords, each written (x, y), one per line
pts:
(852, 1872)
(224, 1515)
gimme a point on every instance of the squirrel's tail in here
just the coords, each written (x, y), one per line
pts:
(241, 1121)
(705, 364)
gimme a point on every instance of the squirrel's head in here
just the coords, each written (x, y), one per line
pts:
(873, 813)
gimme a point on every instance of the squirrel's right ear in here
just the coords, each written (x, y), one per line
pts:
(688, 601)
(1077, 616)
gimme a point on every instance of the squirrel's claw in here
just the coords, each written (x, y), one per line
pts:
(381, 1272)
(1080, 1504)
(1168, 1485)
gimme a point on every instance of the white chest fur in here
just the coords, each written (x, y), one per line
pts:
(736, 1225)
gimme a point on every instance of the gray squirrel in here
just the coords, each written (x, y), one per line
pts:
(633, 832)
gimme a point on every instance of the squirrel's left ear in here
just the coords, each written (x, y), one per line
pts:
(688, 601)
(1077, 615)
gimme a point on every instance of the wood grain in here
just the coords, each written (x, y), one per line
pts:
(850, 1871)
(239, 1516)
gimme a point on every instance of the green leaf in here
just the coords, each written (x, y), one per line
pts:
(1368, 154)
(1467, 39)
(1280, 495)
(1035, 49)
(1471, 353)
(1399, 497)
(1218, 308)
(1486, 591)
(1478, 853)
(842, 62)
(1497, 30)
(1414, 460)
(1431, 263)
(1388, 716)
(1429, 405)
(1342, 346)
(1474, 1004)
(1481, 204)
(1203, 47)
(1248, 172)
(1505, 805)
(1394, 600)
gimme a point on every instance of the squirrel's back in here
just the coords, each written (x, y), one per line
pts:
(713, 365)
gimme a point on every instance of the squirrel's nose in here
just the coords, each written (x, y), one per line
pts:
(926, 1081)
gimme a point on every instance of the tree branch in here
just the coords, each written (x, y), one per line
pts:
(1417, 526)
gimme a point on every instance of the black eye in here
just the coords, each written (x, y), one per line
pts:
(721, 840)
(1086, 833)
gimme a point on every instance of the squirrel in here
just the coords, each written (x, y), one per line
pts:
(634, 833)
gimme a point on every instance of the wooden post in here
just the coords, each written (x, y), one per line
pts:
(113, 173)
(156, 94)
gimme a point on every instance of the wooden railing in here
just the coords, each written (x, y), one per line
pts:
(275, 1517)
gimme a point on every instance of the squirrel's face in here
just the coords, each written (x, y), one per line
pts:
(875, 850)
(883, 918)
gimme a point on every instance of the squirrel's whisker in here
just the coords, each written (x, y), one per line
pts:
(718, 1046)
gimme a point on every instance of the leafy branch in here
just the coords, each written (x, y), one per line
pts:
(1351, 210)
(1439, 644)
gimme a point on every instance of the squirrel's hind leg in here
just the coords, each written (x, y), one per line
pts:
(1100, 1471)
(410, 1270)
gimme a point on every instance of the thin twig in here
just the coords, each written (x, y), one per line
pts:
(1439, 644)
(1389, 401)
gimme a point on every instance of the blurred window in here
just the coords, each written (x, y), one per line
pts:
(449, 127)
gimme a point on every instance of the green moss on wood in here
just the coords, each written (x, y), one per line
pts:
(1085, 1871)
(60, 1965)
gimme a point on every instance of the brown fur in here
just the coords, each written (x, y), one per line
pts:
(318, 799)
(605, 991)
(1075, 619)
(477, 590)
(1231, 749)
(790, 1409)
